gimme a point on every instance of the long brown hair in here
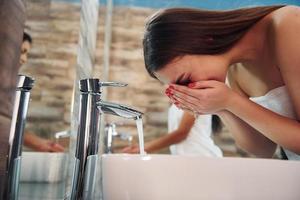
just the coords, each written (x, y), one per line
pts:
(176, 32)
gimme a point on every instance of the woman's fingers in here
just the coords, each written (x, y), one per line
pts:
(175, 94)
(126, 150)
(131, 149)
(181, 91)
(57, 147)
(188, 98)
(184, 104)
(178, 102)
(185, 101)
(204, 96)
(190, 108)
(179, 88)
(203, 84)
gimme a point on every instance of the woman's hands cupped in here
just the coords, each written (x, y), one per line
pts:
(202, 97)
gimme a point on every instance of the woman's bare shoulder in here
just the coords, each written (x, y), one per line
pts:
(285, 31)
(285, 16)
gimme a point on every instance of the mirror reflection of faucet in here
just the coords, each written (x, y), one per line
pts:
(111, 134)
(24, 85)
(86, 155)
(61, 136)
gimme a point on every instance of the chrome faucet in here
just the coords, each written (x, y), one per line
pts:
(111, 133)
(86, 155)
(118, 110)
(24, 85)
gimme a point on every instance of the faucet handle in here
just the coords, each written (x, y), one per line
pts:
(112, 84)
(94, 85)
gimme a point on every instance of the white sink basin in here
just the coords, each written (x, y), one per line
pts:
(166, 177)
(43, 167)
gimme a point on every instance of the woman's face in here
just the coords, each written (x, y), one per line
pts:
(193, 68)
(24, 52)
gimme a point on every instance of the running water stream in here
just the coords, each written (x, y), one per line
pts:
(139, 125)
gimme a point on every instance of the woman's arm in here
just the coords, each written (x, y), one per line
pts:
(175, 137)
(245, 136)
(285, 33)
(281, 130)
(40, 144)
(214, 96)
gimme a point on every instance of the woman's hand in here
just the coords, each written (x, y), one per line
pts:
(40, 144)
(131, 149)
(48, 146)
(203, 97)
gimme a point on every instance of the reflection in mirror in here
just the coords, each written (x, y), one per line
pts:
(49, 53)
(53, 28)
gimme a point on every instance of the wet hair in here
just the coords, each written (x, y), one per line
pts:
(176, 32)
(27, 37)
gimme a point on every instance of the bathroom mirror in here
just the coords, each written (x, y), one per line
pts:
(54, 29)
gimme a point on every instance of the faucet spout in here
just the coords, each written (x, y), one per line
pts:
(119, 110)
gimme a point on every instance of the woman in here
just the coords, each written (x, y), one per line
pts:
(187, 135)
(194, 50)
(31, 140)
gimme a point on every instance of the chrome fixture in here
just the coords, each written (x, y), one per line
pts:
(111, 133)
(62, 134)
(24, 85)
(118, 110)
(86, 155)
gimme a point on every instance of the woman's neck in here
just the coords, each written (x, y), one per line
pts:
(252, 47)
